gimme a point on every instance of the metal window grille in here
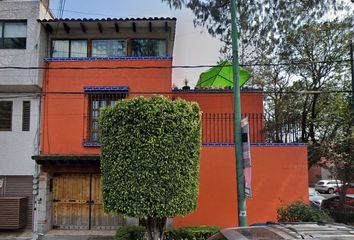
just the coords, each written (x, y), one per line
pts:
(98, 100)
(26, 115)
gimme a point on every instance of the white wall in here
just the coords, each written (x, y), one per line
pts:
(31, 56)
(17, 146)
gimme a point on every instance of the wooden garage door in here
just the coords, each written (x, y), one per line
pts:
(77, 203)
(100, 220)
(71, 198)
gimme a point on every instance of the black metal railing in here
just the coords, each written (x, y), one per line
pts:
(219, 128)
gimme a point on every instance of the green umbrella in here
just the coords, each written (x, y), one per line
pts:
(221, 76)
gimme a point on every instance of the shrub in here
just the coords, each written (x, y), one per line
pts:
(150, 159)
(301, 212)
(183, 233)
(131, 233)
(191, 233)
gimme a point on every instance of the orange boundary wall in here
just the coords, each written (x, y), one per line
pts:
(279, 175)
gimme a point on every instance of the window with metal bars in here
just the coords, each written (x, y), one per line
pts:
(96, 101)
(26, 115)
(5, 115)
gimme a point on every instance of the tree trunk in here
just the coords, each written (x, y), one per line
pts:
(155, 227)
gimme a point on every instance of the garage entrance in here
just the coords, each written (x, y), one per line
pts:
(77, 203)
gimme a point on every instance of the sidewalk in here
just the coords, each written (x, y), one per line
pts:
(9, 235)
(60, 235)
(79, 235)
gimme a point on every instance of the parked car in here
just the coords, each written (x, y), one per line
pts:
(350, 190)
(332, 203)
(271, 231)
(327, 186)
(315, 198)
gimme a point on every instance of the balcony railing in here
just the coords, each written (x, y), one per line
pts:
(218, 128)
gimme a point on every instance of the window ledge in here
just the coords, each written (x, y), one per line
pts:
(59, 59)
(91, 144)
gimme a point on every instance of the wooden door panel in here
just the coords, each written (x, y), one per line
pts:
(100, 220)
(71, 196)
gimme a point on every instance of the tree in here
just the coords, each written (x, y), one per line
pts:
(317, 47)
(150, 159)
(260, 21)
(338, 155)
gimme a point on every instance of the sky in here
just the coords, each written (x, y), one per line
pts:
(193, 46)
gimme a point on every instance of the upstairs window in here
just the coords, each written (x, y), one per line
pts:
(101, 97)
(5, 115)
(69, 48)
(149, 48)
(13, 34)
(109, 48)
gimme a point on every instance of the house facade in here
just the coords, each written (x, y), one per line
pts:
(92, 63)
(22, 44)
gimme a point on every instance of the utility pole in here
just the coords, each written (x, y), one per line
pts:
(241, 200)
(352, 67)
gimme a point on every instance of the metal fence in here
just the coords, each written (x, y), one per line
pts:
(219, 128)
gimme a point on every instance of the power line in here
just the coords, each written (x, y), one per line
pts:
(176, 92)
(173, 66)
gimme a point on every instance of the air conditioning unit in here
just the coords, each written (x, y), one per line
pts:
(13, 212)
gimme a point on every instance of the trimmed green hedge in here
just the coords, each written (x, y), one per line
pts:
(191, 233)
(131, 233)
(183, 233)
(150, 157)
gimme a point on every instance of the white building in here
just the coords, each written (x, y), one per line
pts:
(22, 44)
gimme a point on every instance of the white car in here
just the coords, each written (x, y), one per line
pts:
(327, 186)
(299, 230)
(315, 198)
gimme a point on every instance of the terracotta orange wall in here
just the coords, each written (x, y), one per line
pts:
(64, 116)
(251, 102)
(279, 175)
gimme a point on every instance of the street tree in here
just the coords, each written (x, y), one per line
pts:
(260, 21)
(338, 157)
(150, 159)
(316, 51)
(303, 100)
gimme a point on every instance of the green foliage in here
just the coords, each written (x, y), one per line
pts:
(150, 157)
(338, 154)
(131, 233)
(300, 212)
(191, 233)
(262, 21)
(183, 233)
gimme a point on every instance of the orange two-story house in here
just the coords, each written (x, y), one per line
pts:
(93, 63)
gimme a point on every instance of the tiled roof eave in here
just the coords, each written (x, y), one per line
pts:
(106, 19)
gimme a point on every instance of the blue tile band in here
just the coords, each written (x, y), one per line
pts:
(106, 89)
(64, 59)
(91, 144)
(257, 144)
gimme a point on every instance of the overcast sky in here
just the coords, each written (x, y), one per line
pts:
(193, 46)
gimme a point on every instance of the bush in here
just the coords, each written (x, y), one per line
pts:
(131, 233)
(191, 233)
(183, 233)
(150, 157)
(301, 212)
